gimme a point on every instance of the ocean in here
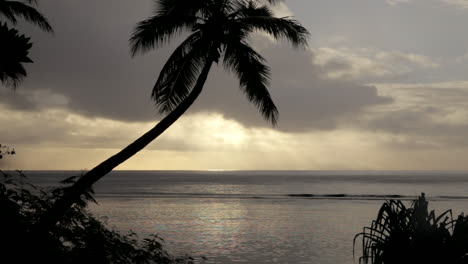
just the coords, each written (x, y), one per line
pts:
(261, 216)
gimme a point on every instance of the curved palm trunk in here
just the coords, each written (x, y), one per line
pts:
(86, 181)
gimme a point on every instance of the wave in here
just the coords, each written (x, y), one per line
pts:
(354, 196)
(338, 196)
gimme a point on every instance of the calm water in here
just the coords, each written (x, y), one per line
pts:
(262, 216)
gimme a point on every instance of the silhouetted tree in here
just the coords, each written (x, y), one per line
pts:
(219, 31)
(14, 48)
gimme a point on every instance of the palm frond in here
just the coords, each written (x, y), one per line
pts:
(179, 74)
(171, 17)
(280, 28)
(13, 9)
(14, 49)
(250, 8)
(157, 31)
(31, 2)
(275, 1)
(180, 7)
(253, 76)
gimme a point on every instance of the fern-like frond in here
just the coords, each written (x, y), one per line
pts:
(252, 9)
(280, 28)
(14, 9)
(14, 49)
(180, 73)
(157, 31)
(254, 75)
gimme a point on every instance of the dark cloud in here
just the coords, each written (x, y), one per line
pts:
(436, 119)
(88, 59)
(88, 62)
(305, 100)
(17, 100)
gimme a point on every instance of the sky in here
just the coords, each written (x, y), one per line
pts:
(383, 85)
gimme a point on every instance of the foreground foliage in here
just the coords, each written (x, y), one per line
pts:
(14, 50)
(78, 238)
(414, 235)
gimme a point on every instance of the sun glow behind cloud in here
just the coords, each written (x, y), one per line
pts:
(204, 141)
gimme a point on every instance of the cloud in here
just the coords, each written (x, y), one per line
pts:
(463, 4)
(61, 129)
(306, 101)
(369, 63)
(85, 97)
(32, 100)
(423, 115)
(395, 2)
(209, 141)
(87, 68)
(282, 10)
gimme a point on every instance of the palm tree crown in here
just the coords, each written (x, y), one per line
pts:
(219, 30)
(11, 10)
(14, 48)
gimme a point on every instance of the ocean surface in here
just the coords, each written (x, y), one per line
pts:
(261, 216)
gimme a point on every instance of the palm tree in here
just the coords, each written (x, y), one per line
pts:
(219, 33)
(14, 48)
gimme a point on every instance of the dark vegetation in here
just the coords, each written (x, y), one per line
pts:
(14, 50)
(414, 235)
(14, 47)
(79, 237)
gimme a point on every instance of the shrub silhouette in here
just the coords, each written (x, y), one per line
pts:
(78, 238)
(414, 235)
(14, 48)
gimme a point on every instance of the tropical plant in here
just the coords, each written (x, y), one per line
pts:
(219, 31)
(12, 10)
(414, 235)
(78, 238)
(14, 48)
